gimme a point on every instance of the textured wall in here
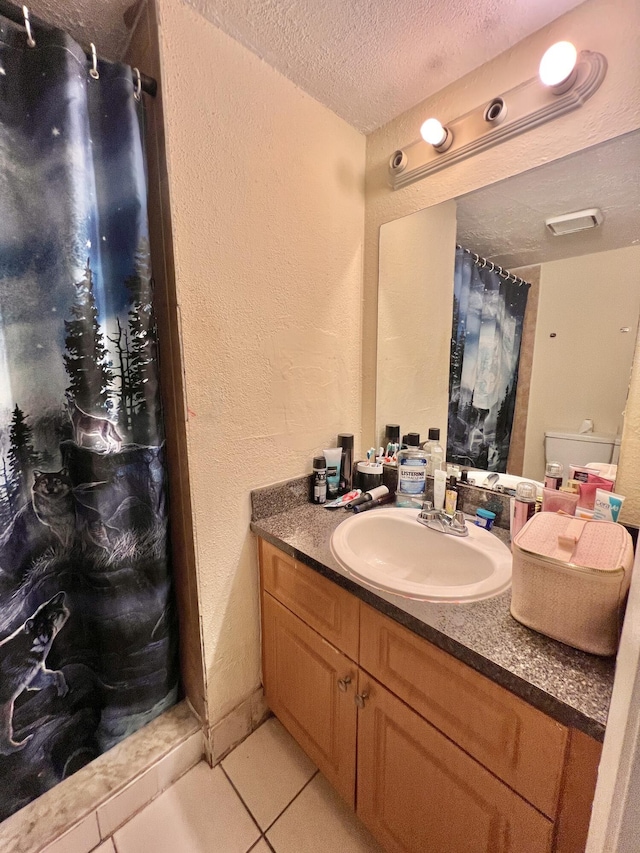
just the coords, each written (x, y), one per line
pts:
(601, 25)
(417, 260)
(266, 191)
(629, 465)
(584, 371)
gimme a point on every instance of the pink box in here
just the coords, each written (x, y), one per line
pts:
(570, 580)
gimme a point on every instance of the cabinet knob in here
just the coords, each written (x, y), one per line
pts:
(343, 683)
(361, 698)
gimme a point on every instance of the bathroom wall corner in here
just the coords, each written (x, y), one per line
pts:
(143, 52)
(236, 726)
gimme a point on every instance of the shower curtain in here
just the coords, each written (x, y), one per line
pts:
(87, 621)
(488, 315)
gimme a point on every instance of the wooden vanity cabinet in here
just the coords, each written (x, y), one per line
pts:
(431, 754)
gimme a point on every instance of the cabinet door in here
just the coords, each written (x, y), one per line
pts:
(323, 605)
(419, 792)
(580, 777)
(310, 686)
(521, 745)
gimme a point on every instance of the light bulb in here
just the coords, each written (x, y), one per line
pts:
(433, 132)
(437, 135)
(558, 63)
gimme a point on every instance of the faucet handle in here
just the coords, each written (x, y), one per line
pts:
(427, 506)
(458, 519)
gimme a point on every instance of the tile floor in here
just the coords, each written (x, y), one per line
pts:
(264, 796)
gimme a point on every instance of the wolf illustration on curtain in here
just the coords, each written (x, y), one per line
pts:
(488, 315)
(88, 649)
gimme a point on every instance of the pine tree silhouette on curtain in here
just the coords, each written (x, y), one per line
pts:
(22, 457)
(143, 352)
(86, 358)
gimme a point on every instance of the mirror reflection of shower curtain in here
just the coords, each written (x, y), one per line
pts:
(488, 316)
(88, 640)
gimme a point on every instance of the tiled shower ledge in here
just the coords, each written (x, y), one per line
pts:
(89, 806)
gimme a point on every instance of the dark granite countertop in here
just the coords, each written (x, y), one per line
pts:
(571, 686)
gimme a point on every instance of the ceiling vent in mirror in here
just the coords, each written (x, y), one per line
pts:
(569, 223)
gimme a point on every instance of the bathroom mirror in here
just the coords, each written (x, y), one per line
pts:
(581, 321)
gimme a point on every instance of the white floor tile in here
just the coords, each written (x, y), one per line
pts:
(200, 813)
(318, 821)
(268, 769)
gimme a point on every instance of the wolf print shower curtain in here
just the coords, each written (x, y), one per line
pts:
(87, 622)
(488, 316)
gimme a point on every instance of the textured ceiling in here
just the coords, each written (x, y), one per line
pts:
(367, 60)
(505, 221)
(98, 21)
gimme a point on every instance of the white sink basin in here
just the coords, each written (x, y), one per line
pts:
(390, 550)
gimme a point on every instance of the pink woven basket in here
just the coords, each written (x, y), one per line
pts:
(570, 580)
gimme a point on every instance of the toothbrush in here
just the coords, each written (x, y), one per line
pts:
(344, 499)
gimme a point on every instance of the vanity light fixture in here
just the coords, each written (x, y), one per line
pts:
(569, 223)
(566, 80)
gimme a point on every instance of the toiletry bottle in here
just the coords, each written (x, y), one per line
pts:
(345, 441)
(412, 473)
(435, 451)
(524, 506)
(439, 488)
(319, 479)
(451, 497)
(392, 434)
(333, 455)
(553, 475)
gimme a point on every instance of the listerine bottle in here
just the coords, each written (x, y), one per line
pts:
(412, 473)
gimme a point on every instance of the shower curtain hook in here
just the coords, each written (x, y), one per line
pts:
(27, 26)
(94, 61)
(138, 87)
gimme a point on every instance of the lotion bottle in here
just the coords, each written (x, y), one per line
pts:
(439, 488)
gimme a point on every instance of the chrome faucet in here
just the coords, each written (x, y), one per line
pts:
(437, 519)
